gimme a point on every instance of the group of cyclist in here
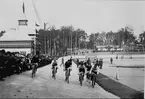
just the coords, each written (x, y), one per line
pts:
(86, 67)
(66, 66)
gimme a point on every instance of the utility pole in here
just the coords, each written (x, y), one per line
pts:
(143, 44)
(71, 43)
(64, 43)
(75, 43)
(44, 26)
(36, 38)
(79, 43)
(45, 45)
(54, 47)
(50, 45)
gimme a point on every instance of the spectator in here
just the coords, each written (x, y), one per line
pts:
(100, 63)
(62, 62)
(117, 56)
(77, 63)
(14, 63)
(97, 62)
(111, 60)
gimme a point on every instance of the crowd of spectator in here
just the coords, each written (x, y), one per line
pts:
(16, 63)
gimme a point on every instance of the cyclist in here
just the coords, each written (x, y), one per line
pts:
(68, 68)
(88, 68)
(77, 63)
(95, 70)
(94, 61)
(68, 65)
(88, 61)
(81, 68)
(111, 60)
(54, 65)
(101, 63)
(97, 62)
(62, 63)
(35, 62)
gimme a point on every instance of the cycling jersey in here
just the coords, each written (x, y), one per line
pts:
(95, 69)
(82, 69)
(88, 61)
(68, 64)
(54, 64)
(35, 65)
(81, 63)
(89, 68)
(35, 59)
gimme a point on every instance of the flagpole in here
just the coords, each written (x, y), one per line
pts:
(23, 7)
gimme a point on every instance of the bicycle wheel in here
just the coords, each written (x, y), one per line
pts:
(32, 72)
(80, 79)
(65, 76)
(93, 81)
(53, 73)
(32, 75)
(68, 77)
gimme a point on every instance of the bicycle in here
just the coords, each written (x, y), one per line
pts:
(67, 74)
(54, 73)
(34, 69)
(81, 78)
(93, 79)
(88, 77)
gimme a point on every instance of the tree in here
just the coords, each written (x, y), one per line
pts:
(59, 40)
(102, 38)
(124, 36)
(129, 35)
(91, 41)
(2, 32)
(142, 38)
(110, 36)
(97, 38)
(81, 37)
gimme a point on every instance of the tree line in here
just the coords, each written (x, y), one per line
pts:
(57, 41)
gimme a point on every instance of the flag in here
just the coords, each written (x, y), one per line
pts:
(23, 8)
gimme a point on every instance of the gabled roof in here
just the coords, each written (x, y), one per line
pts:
(19, 34)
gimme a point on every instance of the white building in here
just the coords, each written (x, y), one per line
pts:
(18, 40)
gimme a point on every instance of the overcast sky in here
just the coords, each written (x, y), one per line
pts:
(89, 15)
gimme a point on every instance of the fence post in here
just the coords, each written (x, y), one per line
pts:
(117, 74)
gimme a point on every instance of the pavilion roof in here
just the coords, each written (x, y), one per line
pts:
(19, 34)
